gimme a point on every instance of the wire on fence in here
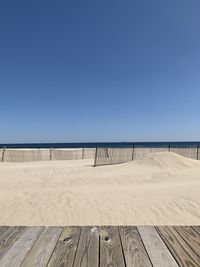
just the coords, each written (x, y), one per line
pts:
(28, 155)
(102, 156)
(109, 156)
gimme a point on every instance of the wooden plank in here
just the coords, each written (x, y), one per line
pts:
(8, 237)
(134, 250)
(190, 236)
(43, 248)
(197, 229)
(65, 249)
(3, 229)
(87, 254)
(156, 248)
(18, 251)
(183, 254)
(110, 247)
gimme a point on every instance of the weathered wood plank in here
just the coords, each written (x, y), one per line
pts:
(18, 251)
(3, 229)
(8, 237)
(128, 246)
(183, 254)
(64, 252)
(190, 236)
(110, 247)
(156, 248)
(197, 229)
(87, 254)
(43, 248)
(134, 250)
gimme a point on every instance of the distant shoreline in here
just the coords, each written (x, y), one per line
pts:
(100, 144)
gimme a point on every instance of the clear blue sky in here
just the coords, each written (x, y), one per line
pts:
(104, 70)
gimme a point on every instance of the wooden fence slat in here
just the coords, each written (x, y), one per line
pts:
(156, 248)
(87, 254)
(183, 254)
(43, 248)
(134, 250)
(64, 252)
(190, 236)
(18, 251)
(8, 237)
(110, 247)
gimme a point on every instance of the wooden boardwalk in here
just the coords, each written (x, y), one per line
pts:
(124, 246)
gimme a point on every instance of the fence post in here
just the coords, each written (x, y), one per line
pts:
(169, 147)
(95, 160)
(83, 153)
(133, 152)
(197, 152)
(3, 154)
(50, 155)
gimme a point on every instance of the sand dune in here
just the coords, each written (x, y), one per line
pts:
(162, 188)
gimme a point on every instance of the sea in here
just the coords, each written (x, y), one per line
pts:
(102, 144)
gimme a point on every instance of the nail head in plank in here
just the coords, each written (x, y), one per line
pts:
(43, 248)
(156, 248)
(134, 250)
(18, 251)
(110, 247)
(64, 252)
(183, 254)
(87, 254)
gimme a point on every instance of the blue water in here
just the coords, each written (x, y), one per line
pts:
(102, 144)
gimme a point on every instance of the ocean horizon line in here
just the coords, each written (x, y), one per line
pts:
(96, 144)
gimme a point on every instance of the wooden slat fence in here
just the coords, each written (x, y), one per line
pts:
(109, 156)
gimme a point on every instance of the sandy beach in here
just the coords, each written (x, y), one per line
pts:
(160, 189)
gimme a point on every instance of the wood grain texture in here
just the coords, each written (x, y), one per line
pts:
(18, 251)
(124, 246)
(191, 237)
(8, 237)
(64, 252)
(197, 229)
(88, 248)
(43, 248)
(134, 250)
(110, 247)
(156, 249)
(3, 229)
(183, 254)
